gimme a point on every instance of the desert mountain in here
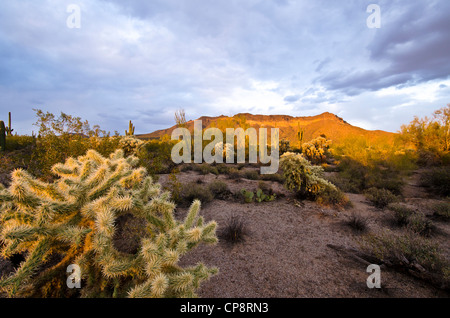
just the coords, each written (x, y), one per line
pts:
(330, 125)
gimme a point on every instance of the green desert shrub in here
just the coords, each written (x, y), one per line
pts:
(408, 251)
(401, 213)
(276, 177)
(63, 137)
(418, 223)
(222, 168)
(194, 191)
(156, 156)
(73, 221)
(251, 174)
(437, 181)
(234, 174)
(16, 142)
(332, 196)
(219, 188)
(380, 198)
(357, 222)
(441, 210)
(354, 177)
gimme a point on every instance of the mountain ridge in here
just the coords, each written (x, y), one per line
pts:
(328, 124)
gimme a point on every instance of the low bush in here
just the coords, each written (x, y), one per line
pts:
(418, 223)
(437, 181)
(17, 142)
(401, 214)
(355, 177)
(380, 198)
(332, 196)
(194, 191)
(155, 156)
(409, 251)
(276, 177)
(441, 210)
(266, 188)
(251, 174)
(222, 168)
(357, 222)
(234, 230)
(219, 189)
(234, 174)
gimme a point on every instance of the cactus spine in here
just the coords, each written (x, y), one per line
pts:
(75, 218)
(130, 131)
(2, 136)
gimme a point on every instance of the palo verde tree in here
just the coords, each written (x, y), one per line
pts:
(429, 135)
(73, 220)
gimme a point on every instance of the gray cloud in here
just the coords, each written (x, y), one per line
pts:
(411, 47)
(142, 60)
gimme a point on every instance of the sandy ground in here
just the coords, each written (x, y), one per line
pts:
(286, 255)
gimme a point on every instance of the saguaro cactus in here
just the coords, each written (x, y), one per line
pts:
(9, 129)
(130, 131)
(2, 136)
(75, 218)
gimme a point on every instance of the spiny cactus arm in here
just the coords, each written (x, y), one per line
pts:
(116, 267)
(201, 272)
(27, 268)
(192, 214)
(72, 234)
(154, 288)
(133, 179)
(98, 191)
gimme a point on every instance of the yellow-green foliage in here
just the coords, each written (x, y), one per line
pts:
(302, 176)
(75, 218)
(284, 146)
(155, 156)
(63, 137)
(315, 150)
(429, 136)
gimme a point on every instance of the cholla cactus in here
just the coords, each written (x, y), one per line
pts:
(130, 144)
(302, 176)
(315, 149)
(75, 218)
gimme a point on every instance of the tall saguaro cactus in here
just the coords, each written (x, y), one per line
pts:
(130, 131)
(75, 218)
(9, 129)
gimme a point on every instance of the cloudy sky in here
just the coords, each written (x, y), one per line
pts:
(142, 60)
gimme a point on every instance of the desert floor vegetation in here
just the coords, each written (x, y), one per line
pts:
(309, 230)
